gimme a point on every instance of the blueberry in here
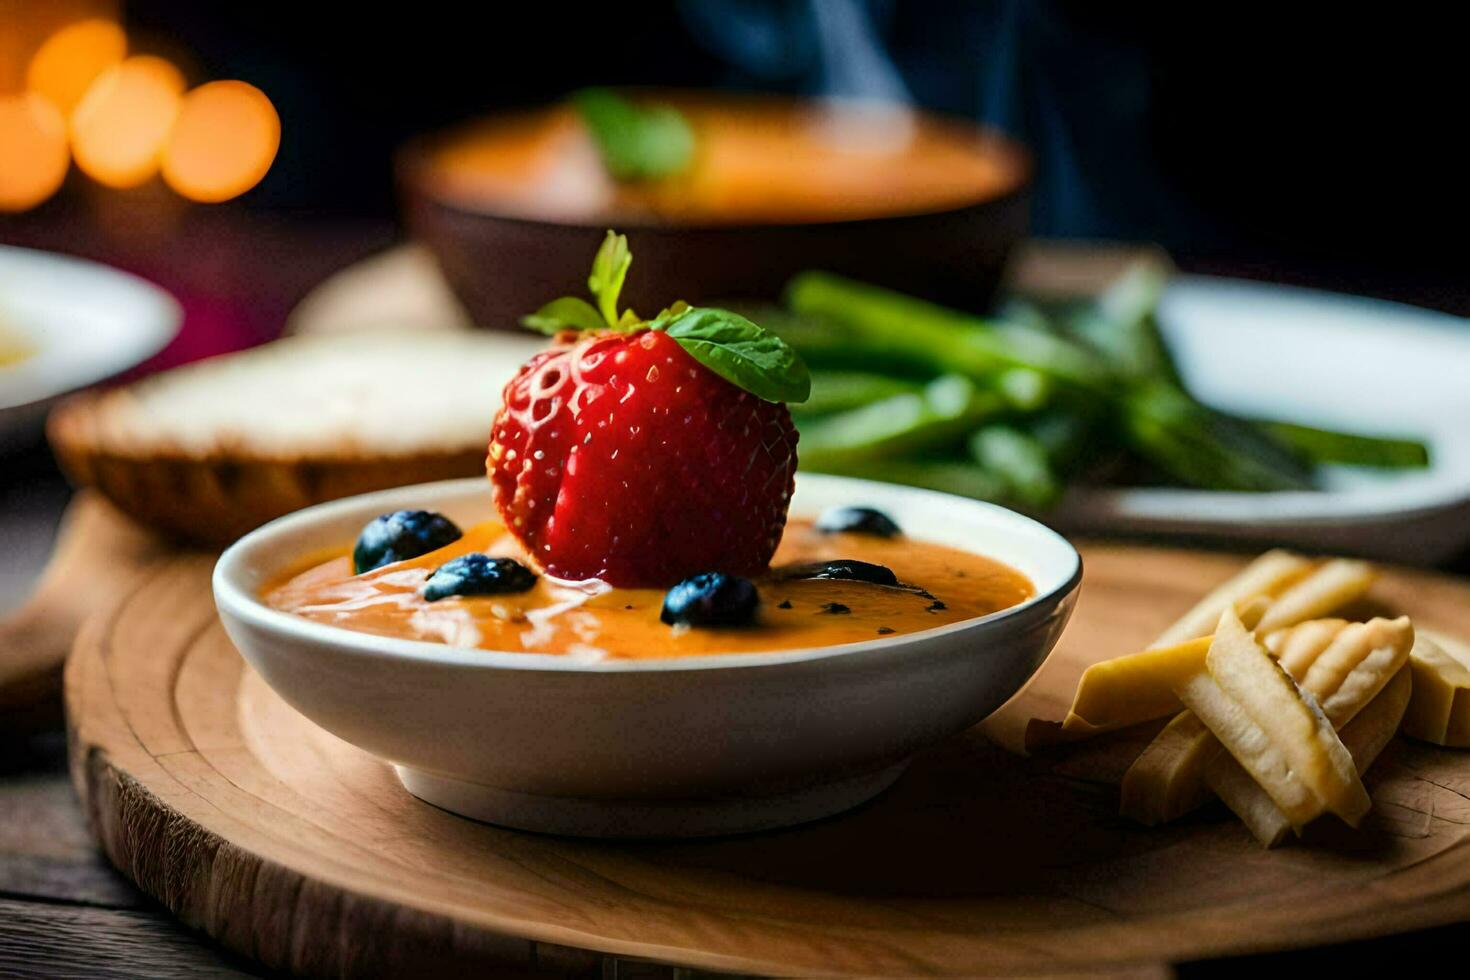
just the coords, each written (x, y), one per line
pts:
(711, 599)
(857, 520)
(478, 574)
(842, 569)
(399, 536)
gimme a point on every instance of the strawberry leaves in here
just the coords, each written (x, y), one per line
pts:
(743, 353)
(609, 269)
(567, 313)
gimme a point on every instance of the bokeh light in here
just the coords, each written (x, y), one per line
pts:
(70, 91)
(33, 153)
(120, 126)
(223, 142)
(65, 66)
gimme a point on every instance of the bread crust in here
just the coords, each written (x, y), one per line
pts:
(212, 499)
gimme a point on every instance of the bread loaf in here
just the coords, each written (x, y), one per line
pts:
(210, 450)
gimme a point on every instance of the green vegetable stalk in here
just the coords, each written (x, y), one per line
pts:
(1203, 448)
(843, 391)
(1020, 461)
(945, 340)
(938, 416)
(1326, 446)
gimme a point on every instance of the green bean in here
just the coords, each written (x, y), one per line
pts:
(1204, 448)
(1328, 446)
(826, 343)
(1120, 326)
(1024, 389)
(947, 340)
(834, 349)
(1020, 461)
(842, 391)
(940, 415)
(1024, 311)
(1067, 380)
(1065, 434)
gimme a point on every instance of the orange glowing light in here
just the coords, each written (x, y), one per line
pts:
(33, 157)
(119, 128)
(66, 65)
(224, 141)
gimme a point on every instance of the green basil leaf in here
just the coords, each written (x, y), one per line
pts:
(741, 352)
(567, 313)
(609, 269)
(636, 142)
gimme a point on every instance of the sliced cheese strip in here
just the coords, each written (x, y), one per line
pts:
(1247, 800)
(1278, 588)
(1287, 717)
(1324, 591)
(1344, 682)
(1139, 687)
(1136, 688)
(1268, 575)
(1252, 747)
(1296, 647)
(1167, 780)
(1357, 665)
(1365, 738)
(1343, 665)
(1439, 710)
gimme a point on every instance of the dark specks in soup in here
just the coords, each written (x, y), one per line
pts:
(937, 585)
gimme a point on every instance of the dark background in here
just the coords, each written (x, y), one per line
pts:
(1327, 149)
(1251, 140)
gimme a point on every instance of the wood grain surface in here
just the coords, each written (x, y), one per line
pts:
(298, 850)
(98, 555)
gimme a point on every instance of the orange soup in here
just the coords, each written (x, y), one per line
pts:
(592, 620)
(757, 161)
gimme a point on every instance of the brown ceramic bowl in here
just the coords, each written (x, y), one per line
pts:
(515, 206)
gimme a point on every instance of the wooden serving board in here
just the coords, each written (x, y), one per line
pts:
(292, 847)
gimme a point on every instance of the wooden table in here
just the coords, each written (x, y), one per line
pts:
(63, 909)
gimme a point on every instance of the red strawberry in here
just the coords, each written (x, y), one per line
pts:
(623, 458)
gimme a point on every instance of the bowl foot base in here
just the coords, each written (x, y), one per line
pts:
(588, 817)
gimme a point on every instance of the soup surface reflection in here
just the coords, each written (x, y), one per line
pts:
(592, 620)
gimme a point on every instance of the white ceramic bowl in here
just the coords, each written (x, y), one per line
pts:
(644, 748)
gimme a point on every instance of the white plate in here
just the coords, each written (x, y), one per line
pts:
(1320, 359)
(84, 321)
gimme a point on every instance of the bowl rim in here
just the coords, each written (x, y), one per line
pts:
(643, 226)
(234, 601)
(412, 174)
